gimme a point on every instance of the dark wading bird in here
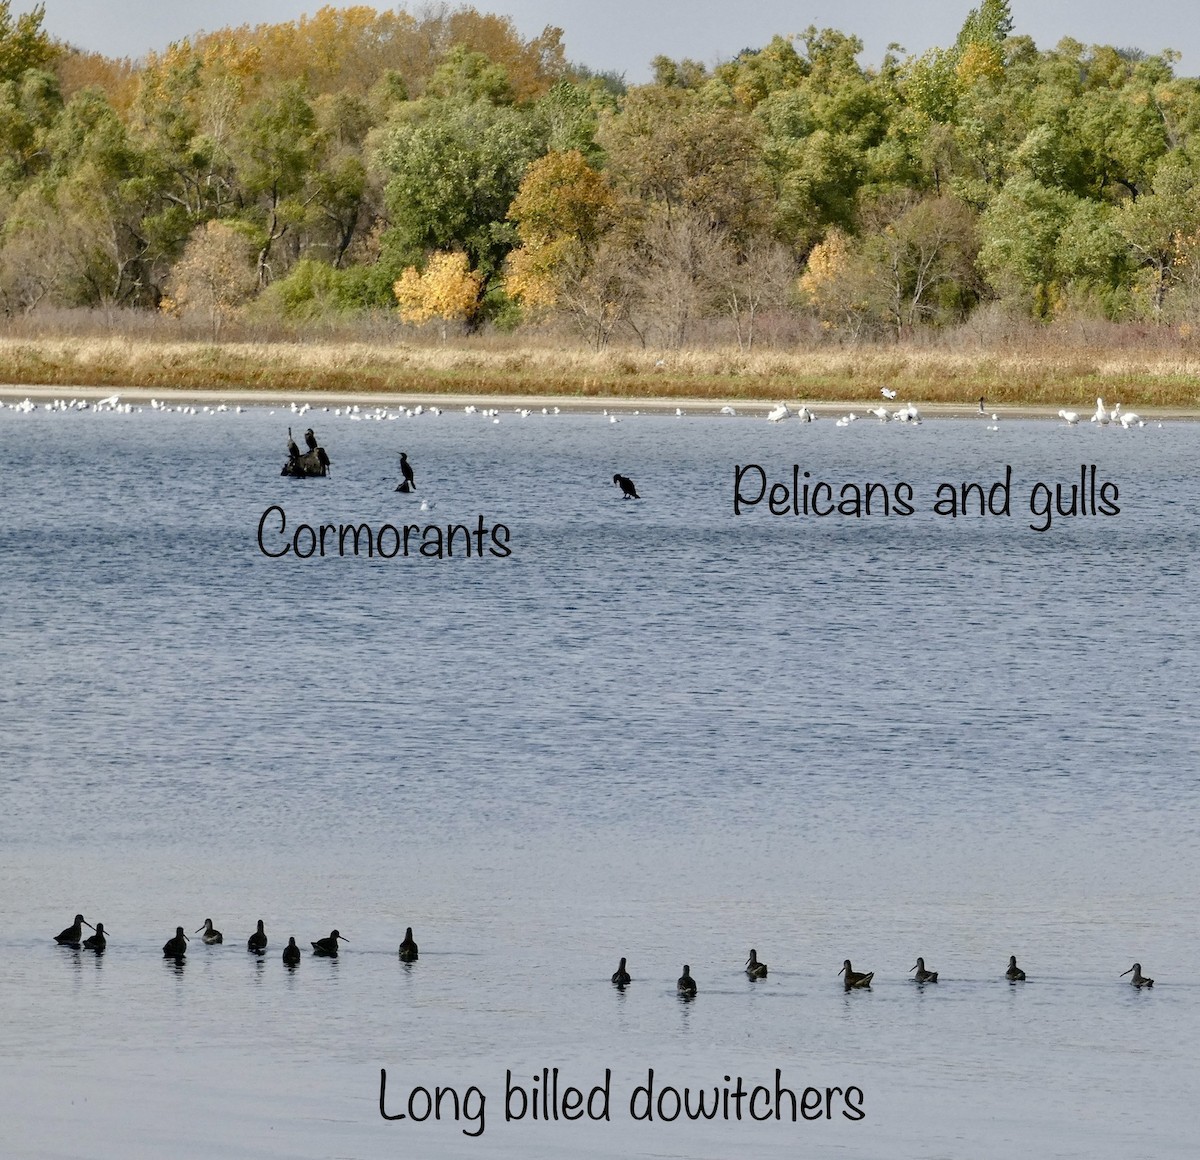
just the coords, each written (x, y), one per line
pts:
(310, 439)
(856, 978)
(922, 975)
(686, 986)
(176, 948)
(211, 934)
(97, 942)
(291, 953)
(754, 968)
(628, 490)
(1014, 974)
(257, 942)
(406, 484)
(408, 948)
(621, 975)
(1138, 980)
(328, 947)
(71, 936)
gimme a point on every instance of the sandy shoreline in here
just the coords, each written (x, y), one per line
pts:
(15, 393)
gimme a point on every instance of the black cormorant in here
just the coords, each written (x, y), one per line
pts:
(626, 485)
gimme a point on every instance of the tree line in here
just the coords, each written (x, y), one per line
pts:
(443, 167)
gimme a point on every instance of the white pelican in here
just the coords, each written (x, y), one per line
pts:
(886, 393)
(1071, 417)
(778, 413)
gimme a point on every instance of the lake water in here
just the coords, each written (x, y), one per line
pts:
(655, 729)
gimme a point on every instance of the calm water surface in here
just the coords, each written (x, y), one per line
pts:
(656, 730)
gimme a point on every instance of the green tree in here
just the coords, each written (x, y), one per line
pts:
(23, 42)
(276, 150)
(452, 172)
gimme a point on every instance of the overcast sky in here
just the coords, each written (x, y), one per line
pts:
(624, 35)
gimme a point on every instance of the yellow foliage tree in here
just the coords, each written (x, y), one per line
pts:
(979, 62)
(448, 290)
(826, 262)
(561, 210)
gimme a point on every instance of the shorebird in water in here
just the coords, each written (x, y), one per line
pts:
(754, 968)
(621, 975)
(328, 947)
(97, 942)
(628, 490)
(686, 986)
(1138, 980)
(291, 953)
(257, 942)
(1014, 974)
(856, 978)
(408, 948)
(922, 975)
(211, 934)
(176, 948)
(71, 936)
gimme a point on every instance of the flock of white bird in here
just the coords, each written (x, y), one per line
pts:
(1104, 416)
(909, 414)
(906, 414)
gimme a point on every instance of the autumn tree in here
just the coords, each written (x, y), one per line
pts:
(560, 211)
(447, 290)
(215, 275)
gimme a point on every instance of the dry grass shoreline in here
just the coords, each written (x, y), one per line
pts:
(949, 382)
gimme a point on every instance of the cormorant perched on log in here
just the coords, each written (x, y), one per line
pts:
(626, 485)
(406, 484)
(312, 462)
